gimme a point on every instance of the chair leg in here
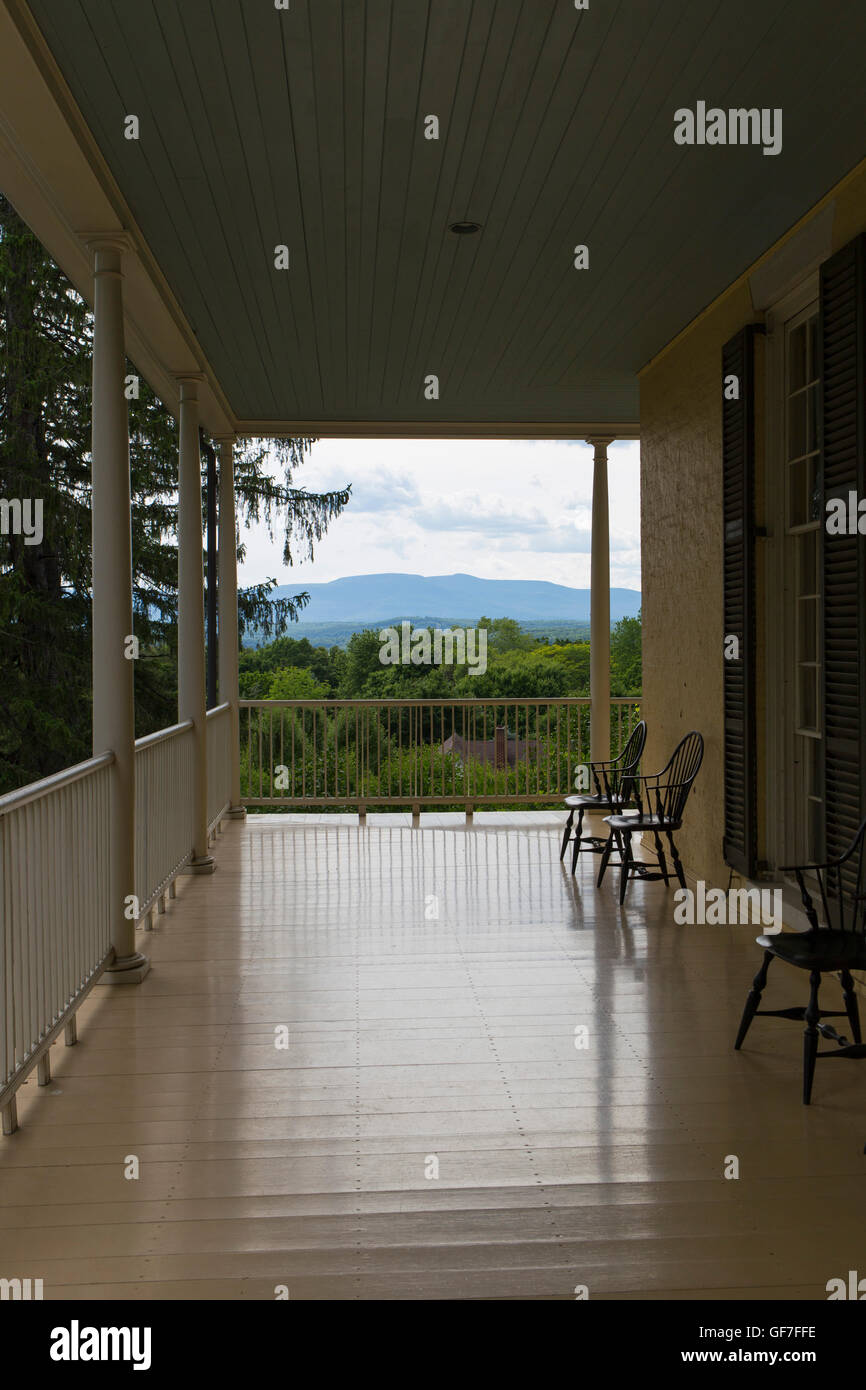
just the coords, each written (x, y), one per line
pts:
(660, 855)
(851, 1007)
(613, 837)
(753, 999)
(578, 831)
(626, 866)
(677, 865)
(566, 835)
(810, 1037)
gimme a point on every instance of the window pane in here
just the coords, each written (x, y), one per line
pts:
(812, 366)
(815, 784)
(808, 630)
(813, 486)
(808, 697)
(808, 562)
(815, 831)
(797, 364)
(812, 420)
(798, 429)
(798, 502)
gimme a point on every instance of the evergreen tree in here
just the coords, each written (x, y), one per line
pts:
(45, 426)
(626, 672)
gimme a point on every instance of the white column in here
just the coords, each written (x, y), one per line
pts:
(191, 698)
(113, 706)
(227, 592)
(599, 630)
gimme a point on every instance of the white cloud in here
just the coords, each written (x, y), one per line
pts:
(501, 509)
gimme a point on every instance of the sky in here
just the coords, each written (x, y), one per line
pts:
(499, 509)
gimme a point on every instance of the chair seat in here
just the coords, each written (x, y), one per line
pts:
(587, 802)
(818, 950)
(641, 822)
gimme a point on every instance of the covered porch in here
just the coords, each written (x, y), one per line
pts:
(431, 1130)
(396, 1060)
(92, 857)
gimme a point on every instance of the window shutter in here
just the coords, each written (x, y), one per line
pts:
(738, 464)
(841, 345)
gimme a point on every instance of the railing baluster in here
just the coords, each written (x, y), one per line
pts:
(260, 751)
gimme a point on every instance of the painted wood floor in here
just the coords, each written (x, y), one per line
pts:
(419, 1041)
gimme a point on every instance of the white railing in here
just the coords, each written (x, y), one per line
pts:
(55, 929)
(164, 773)
(219, 763)
(375, 754)
(55, 845)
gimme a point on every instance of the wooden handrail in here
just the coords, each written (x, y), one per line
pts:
(34, 791)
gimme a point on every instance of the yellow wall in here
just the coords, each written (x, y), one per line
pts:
(681, 545)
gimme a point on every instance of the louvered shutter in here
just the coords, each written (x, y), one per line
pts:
(841, 344)
(738, 464)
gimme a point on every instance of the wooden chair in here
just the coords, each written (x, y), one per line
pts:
(612, 784)
(839, 945)
(660, 799)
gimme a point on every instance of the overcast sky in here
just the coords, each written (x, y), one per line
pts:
(499, 509)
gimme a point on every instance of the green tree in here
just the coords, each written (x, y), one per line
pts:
(362, 663)
(295, 683)
(255, 663)
(625, 657)
(45, 342)
(522, 677)
(506, 635)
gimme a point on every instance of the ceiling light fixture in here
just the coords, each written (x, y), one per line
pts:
(465, 228)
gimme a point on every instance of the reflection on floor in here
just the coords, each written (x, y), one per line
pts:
(432, 1129)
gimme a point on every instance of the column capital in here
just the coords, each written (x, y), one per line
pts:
(118, 240)
(600, 441)
(227, 441)
(107, 250)
(189, 383)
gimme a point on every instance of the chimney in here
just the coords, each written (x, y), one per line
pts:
(500, 747)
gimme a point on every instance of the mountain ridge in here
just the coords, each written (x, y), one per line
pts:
(368, 598)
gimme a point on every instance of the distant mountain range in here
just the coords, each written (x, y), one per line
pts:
(464, 598)
(340, 634)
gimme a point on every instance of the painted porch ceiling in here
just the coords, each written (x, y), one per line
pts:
(305, 127)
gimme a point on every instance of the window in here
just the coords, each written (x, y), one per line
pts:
(803, 562)
(794, 615)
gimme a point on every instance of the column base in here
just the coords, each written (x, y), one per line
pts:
(237, 813)
(205, 864)
(130, 970)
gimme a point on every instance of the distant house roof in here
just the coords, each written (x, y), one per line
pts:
(483, 750)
